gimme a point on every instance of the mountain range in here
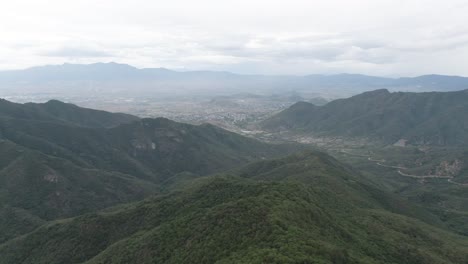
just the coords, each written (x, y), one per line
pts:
(431, 118)
(59, 160)
(122, 78)
(85, 186)
(305, 208)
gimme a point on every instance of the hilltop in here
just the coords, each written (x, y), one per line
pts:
(60, 160)
(432, 118)
(251, 216)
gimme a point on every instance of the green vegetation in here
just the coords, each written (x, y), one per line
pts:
(445, 197)
(236, 218)
(433, 118)
(59, 160)
(56, 111)
(79, 189)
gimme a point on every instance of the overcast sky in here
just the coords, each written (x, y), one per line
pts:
(377, 37)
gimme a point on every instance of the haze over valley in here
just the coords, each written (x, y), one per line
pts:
(328, 132)
(229, 100)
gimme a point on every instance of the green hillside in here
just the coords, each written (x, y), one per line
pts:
(253, 215)
(62, 164)
(57, 111)
(433, 118)
(152, 149)
(78, 188)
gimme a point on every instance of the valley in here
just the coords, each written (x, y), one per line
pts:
(233, 132)
(230, 164)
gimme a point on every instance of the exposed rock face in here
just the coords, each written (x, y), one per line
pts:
(449, 168)
(51, 177)
(400, 143)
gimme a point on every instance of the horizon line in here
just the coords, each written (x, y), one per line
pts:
(223, 71)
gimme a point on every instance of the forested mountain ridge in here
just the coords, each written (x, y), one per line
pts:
(432, 118)
(303, 208)
(57, 111)
(59, 160)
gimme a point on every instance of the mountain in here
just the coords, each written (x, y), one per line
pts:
(152, 149)
(433, 82)
(59, 160)
(56, 111)
(121, 80)
(306, 208)
(36, 187)
(432, 118)
(85, 186)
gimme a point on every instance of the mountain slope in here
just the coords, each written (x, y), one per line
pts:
(149, 148)
(42, 187)
(113, 79)
(226, 219)
(56, 111)
(56, 164)
(420, 118)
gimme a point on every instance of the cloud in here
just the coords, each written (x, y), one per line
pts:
(385, 37)
(75, 52)
(325, 48)
(435, 42)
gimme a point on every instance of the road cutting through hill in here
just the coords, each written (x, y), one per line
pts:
(400, 168)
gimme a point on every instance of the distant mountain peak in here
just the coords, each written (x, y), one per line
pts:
(55, 101)
(376, 92)
(103, 77)
(303, 104)
(380, 115)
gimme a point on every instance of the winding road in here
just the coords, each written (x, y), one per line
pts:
(399, 169)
